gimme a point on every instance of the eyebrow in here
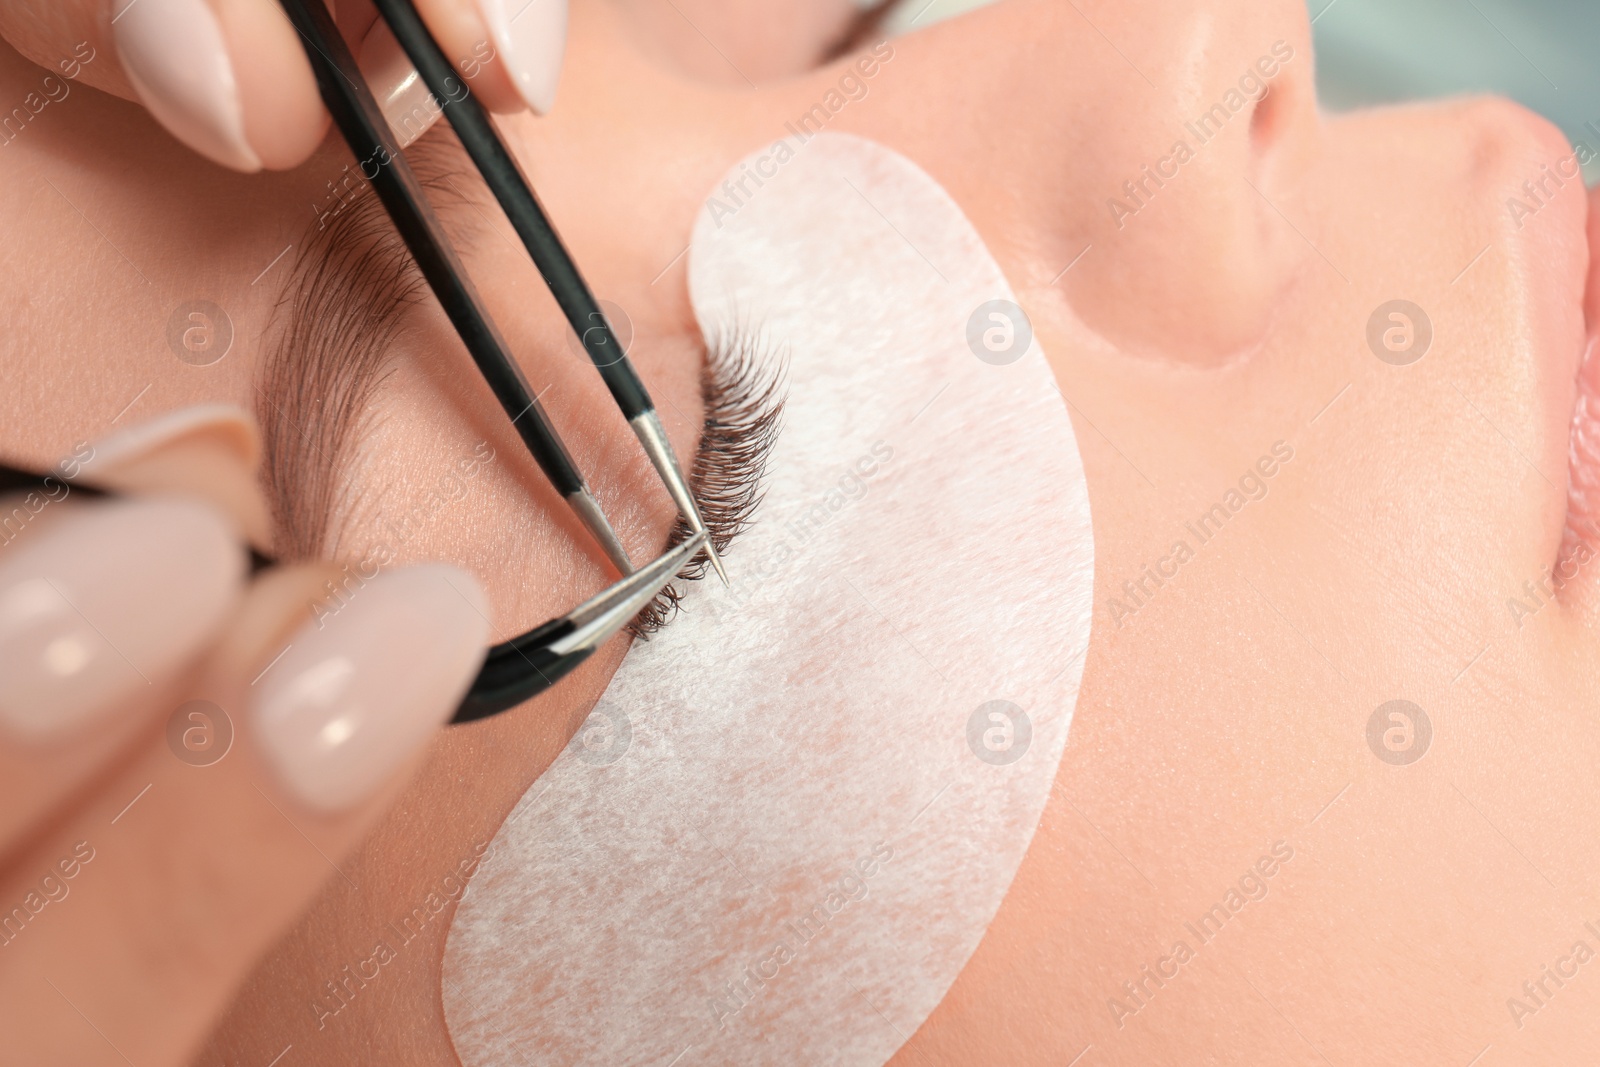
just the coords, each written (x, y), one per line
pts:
(329, 352)
(329, 349)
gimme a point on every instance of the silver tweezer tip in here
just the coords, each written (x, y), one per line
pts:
(588, 510)
(648, 429)
(596, 620)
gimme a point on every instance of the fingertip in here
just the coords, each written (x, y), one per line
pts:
(112, 598)
(360, 687)
(282, 116)
(178, 59)
(207, 450)
(509, 52)
(531, 39)
(228, 78)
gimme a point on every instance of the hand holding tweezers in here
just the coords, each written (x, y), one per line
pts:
(513, 672)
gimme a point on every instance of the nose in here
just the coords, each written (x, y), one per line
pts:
(1155, 148)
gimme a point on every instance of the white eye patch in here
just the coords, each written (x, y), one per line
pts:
(786, 825)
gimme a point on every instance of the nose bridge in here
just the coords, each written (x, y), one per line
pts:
(1157, 140)
(1196, 235)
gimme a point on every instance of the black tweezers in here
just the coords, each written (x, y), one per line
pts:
(513, 672)
(525, 666)
(367, 132)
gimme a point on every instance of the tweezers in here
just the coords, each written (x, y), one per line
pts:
(514, 671)
(360, 120)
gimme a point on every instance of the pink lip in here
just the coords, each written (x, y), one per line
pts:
(1583, 449)
(1589, 368)
(1591, 299)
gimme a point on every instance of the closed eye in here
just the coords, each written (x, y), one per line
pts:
(742, 383)
(331, 348)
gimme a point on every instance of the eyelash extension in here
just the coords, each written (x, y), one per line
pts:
(744, 389)
(327, 355)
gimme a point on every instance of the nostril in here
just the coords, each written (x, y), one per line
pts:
(1284, 101)
(1191, 250)
(1266, 120)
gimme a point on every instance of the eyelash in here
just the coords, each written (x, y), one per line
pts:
(743, 382)
(345, 310)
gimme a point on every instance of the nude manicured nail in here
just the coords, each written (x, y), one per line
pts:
(531, 37)
(176, 56)
(359, 692)
(147, 436)
(105, 601)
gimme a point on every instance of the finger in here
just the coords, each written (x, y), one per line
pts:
(228, 78)
(210, 450)
(62, 729)
(509, 59)
(182, 874)
(508, 51)
(102, 605)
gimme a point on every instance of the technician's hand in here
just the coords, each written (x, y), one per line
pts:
(230, 78)
(186, 755)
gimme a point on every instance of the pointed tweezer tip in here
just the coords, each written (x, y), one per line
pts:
(598, 619)
(716, 560)
(527, 666)
(594, 520)
(653, 437)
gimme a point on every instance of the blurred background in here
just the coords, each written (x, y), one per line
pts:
(1539, 52)
(1542, 53)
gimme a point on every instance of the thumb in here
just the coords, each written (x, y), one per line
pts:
(228, 78)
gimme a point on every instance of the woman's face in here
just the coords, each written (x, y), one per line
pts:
(1211, 272)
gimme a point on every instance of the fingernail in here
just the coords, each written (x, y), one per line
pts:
(531, 37)
(400, 90)
(104, 602)
(210, 451)
(177, 58)
(137, 441)
(360, 691)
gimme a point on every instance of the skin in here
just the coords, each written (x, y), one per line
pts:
(1228, 713)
